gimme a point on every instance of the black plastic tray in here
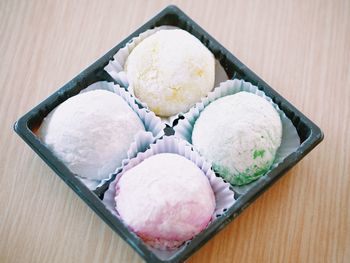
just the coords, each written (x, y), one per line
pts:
(27, 125)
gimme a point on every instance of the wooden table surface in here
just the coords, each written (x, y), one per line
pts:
(301, 48)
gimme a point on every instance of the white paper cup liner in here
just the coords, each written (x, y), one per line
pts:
(154, 128)
(224, 197)
(290, 138)
(115, 67)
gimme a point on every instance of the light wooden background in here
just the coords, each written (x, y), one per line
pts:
(301, 48)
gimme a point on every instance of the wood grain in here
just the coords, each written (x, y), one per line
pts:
(301, 48)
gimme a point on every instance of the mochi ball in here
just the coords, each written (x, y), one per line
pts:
(170, 71)
(239, 134)
(166, 200)
(91, 132)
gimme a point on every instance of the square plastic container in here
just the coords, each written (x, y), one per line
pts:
(310, 135)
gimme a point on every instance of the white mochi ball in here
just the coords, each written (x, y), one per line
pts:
(91, 132)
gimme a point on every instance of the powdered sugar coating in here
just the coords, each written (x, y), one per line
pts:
(170, 71)
(91, 132)
(239, 134)
(166, 200)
